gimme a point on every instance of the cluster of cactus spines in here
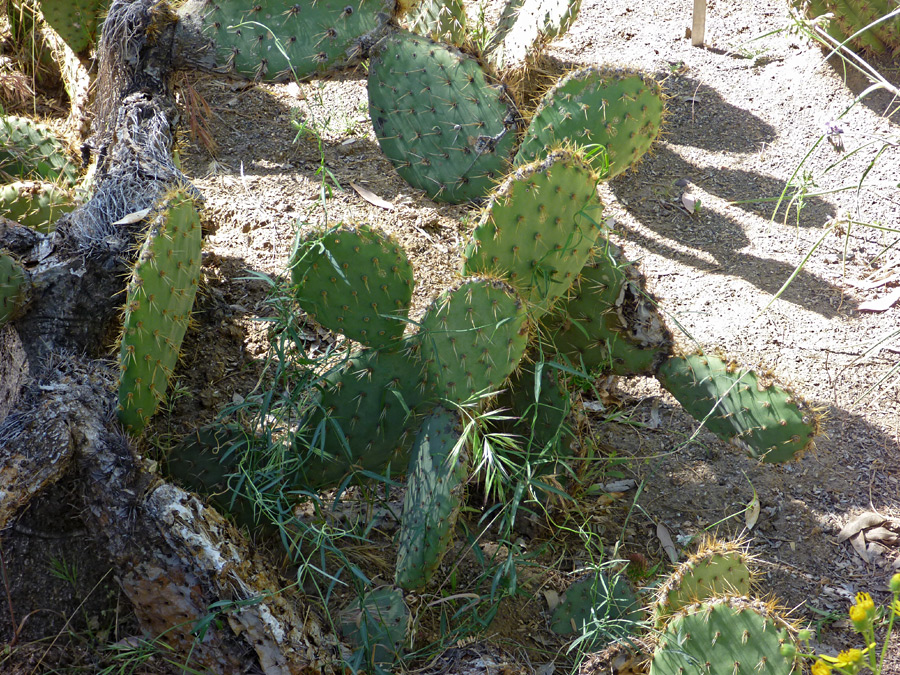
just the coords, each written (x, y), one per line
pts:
(441, 20)
(602, 601)
(30, 150)
(852, 16)
(618, 110)
(35, 204)
(524, 26)
(717, 569)
(471, 338)
(159, 299)
(275, 40)
(609, 322)
(437, 470)
(723, 636)
(76, 21)
(740, 406)
(377, 625)
(447, 130)
(354, 280)
(537, 229)
(14, 285)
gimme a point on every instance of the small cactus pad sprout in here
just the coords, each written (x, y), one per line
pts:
(76, 21)
(445, 128)
(717, 569)
(440, 20)
(433, 499)
(354, 280)
(158, 303)
(538, 228)
(362, 420)
(609, 322)
(525, 26)
(34, 204)
(599, 604)
(765, 420)
(30, 150)
(13, 286)
(723, 636)
(471, 338)
(618, 111)
(377, 625)
(274, 40)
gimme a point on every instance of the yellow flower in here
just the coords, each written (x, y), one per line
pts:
(859, 617)
(864, 602)
(821, 668)
(848, 657)
(895, 605)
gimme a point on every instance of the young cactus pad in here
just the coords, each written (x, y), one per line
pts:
(538, 229)
(618, 110)
(35, 205)
(377, 625)
(471, 338)
(13, 284)
(724, 636)
(598, 604)
(440, 20)
(354, 280)
(432, 501)
(30, 150)
(717, 569)
(446, 130)
(158, 305)
(275, 40)
(609, 323)
(525, 25)
(766, 421)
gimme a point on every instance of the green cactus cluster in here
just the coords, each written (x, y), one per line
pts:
(376, 625)
(30, 150)
(160, 295)
(523, 28)
(13, 286)
(35, 204)
(854, 16)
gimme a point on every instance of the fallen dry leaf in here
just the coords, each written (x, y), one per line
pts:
(858, 542)
(371, 197)
(135, 217)
(881, 304)
(751, 515)
(882, 534)
(861, 522)
(666, 540)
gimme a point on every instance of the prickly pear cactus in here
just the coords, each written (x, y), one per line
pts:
(30, 150)
(765, 420)
(525, 26)
(354, 280)
(598, 601)
(377, 625)
(471, 338)
(13, 286)
(851, 16)
(617, 110)
(433, 499)
(538, 228)
(363, 419)
(276, 40)
(723, 636)
(446, 129)
(76, 21)
(609, 322)
(717, 569)
(158, 305)
(440, 20)
(34, 204)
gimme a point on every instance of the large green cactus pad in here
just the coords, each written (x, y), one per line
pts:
(618, 110)
(441, 20)
(377, 624)
(158, 305)
(354, 280)
(277, 39)
(13, 286)
(362, 422)
(725, 636)
(30, 150)
(433, 499)
(76, 21)
(609, 323)
(538, 228)
(471, 338)
(35, 204)
(598, 602)
(525, 25)
(446, 129)
(739, 406)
